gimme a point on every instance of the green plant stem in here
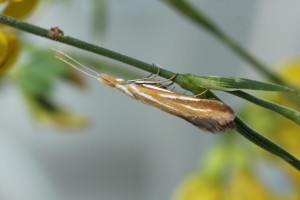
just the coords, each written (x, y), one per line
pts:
(188, 10)
(85, 46)
(288, 113)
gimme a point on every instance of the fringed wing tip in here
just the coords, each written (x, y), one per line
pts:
(213, 124)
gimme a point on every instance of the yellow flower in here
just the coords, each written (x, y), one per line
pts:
(9, 42)
(291, 71)
(241, 184)
(9, 50)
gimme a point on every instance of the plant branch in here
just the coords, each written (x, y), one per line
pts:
(189, 11)
(85, 46)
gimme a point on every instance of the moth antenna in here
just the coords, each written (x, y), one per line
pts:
(77, 68)
(88, 71)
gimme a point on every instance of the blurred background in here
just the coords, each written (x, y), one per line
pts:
(129, 150)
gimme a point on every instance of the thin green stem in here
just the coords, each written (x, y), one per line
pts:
(188, 10)
(85, 46)
(288, 113)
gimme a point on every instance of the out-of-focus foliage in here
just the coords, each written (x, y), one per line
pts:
(37, 79)
(9, 42)
(239, 180)
(283, 131)
(244, 184)
(99, 17)
(226, 174)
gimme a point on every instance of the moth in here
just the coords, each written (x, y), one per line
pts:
(208, 115)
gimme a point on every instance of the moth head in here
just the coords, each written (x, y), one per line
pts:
(110, 81)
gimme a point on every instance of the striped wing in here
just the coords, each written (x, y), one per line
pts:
(209, 115)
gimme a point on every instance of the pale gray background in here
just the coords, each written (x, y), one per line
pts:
(132, 151)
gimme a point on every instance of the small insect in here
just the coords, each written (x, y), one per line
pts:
(55, 33)
(208, 115)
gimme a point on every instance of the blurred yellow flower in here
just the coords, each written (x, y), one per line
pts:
(9, 42)
(240, 184)
(290, 70)
(235, 184)
(198, 187)
(245, 184)
(9, 50)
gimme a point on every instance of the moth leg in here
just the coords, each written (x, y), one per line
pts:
(172, 79)
(157, 73)
(202, 94)
(150, 77)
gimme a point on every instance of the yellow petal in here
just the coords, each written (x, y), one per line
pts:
(19, 9)
(9, 49)
(12, 51)
(3, 48)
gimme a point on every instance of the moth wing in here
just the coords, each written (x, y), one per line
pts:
(208, 115)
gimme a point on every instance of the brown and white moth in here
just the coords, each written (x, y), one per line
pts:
(208, 115)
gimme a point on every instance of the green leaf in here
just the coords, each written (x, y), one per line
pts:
(38, 75)
(36, 81)
(228, 83)
(284, 111)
